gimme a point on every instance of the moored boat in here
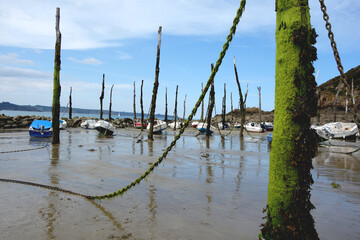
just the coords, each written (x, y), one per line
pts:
(178, 125)
(254, 127)
(62, 124)
(202, 127)
(137, 124)
(194, 124)
(40, 129)
(337, 130)
(268, 126)
(159, 126)
(105, 127)
(88, 124)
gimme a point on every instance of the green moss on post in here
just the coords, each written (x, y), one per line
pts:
(56, 82)
(293, 145)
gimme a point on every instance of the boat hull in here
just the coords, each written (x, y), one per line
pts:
(105, 128)
(40, 129)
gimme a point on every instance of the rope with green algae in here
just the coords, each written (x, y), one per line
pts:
(177, 137)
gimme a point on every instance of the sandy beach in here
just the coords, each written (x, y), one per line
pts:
(207, 188)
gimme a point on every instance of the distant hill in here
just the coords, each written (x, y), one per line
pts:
(39, 108)
(328, 89)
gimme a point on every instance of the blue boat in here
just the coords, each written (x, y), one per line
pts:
(40, 129)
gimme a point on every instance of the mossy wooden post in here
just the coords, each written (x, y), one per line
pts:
(70, 104)
(293, 145)
(155, 89)
(175, 110)
(134, 102)
(242, 101)
(166, 107)
(202, 106)
(224, 108)
(211, 105)
(141, 105)
(57, 87)
(110, 104)
(102, 97)
(259, 89)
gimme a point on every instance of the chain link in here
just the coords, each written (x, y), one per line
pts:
(333, 44)
(338, 61)
(25, 150)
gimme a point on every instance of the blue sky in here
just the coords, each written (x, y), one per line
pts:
(118, 38)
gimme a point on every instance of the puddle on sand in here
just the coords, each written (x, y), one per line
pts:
(204, 189)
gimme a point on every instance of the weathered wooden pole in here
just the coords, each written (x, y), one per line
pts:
(175, 110)
(155, 89)
(110, 104)
(166, 107)
(211, 105)
(259, 89)
(202, 105)
(141, 105)
(134, 102)
(242, 101)
(184, 109)
(57, 87)
(294, 144)
(70, 104)
(224, 108)
(102, 97)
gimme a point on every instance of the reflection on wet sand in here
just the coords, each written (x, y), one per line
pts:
(207, 188)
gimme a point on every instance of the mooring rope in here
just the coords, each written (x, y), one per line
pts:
(25, 150)
(177, 137)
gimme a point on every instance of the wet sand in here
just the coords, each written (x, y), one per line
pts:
(205, 189)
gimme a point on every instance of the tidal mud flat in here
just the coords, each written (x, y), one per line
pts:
(206, 188)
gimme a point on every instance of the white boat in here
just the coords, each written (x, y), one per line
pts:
(254, 127)
(202, 127)
(220, 124)
(237, 125)
(104, 127)
(338, 130)
(194, 124)
(62, 124)
(88, 124)
(178, 125)
(269, 126)
(159, 126)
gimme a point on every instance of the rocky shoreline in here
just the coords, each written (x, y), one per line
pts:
(7, 122)
(252, 114)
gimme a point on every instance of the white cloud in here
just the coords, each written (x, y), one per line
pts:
(88, 61)
(13, 58)
(87, 24)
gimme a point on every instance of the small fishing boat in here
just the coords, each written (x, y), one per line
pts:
(337, 130)
(268, 126)
(159, 126)
(88, 124)
(237, 125)
(254, 127)
(62, 124)
(137, 124)
(105, 127)
(202, 127)
(178, 125)
(40, 129)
